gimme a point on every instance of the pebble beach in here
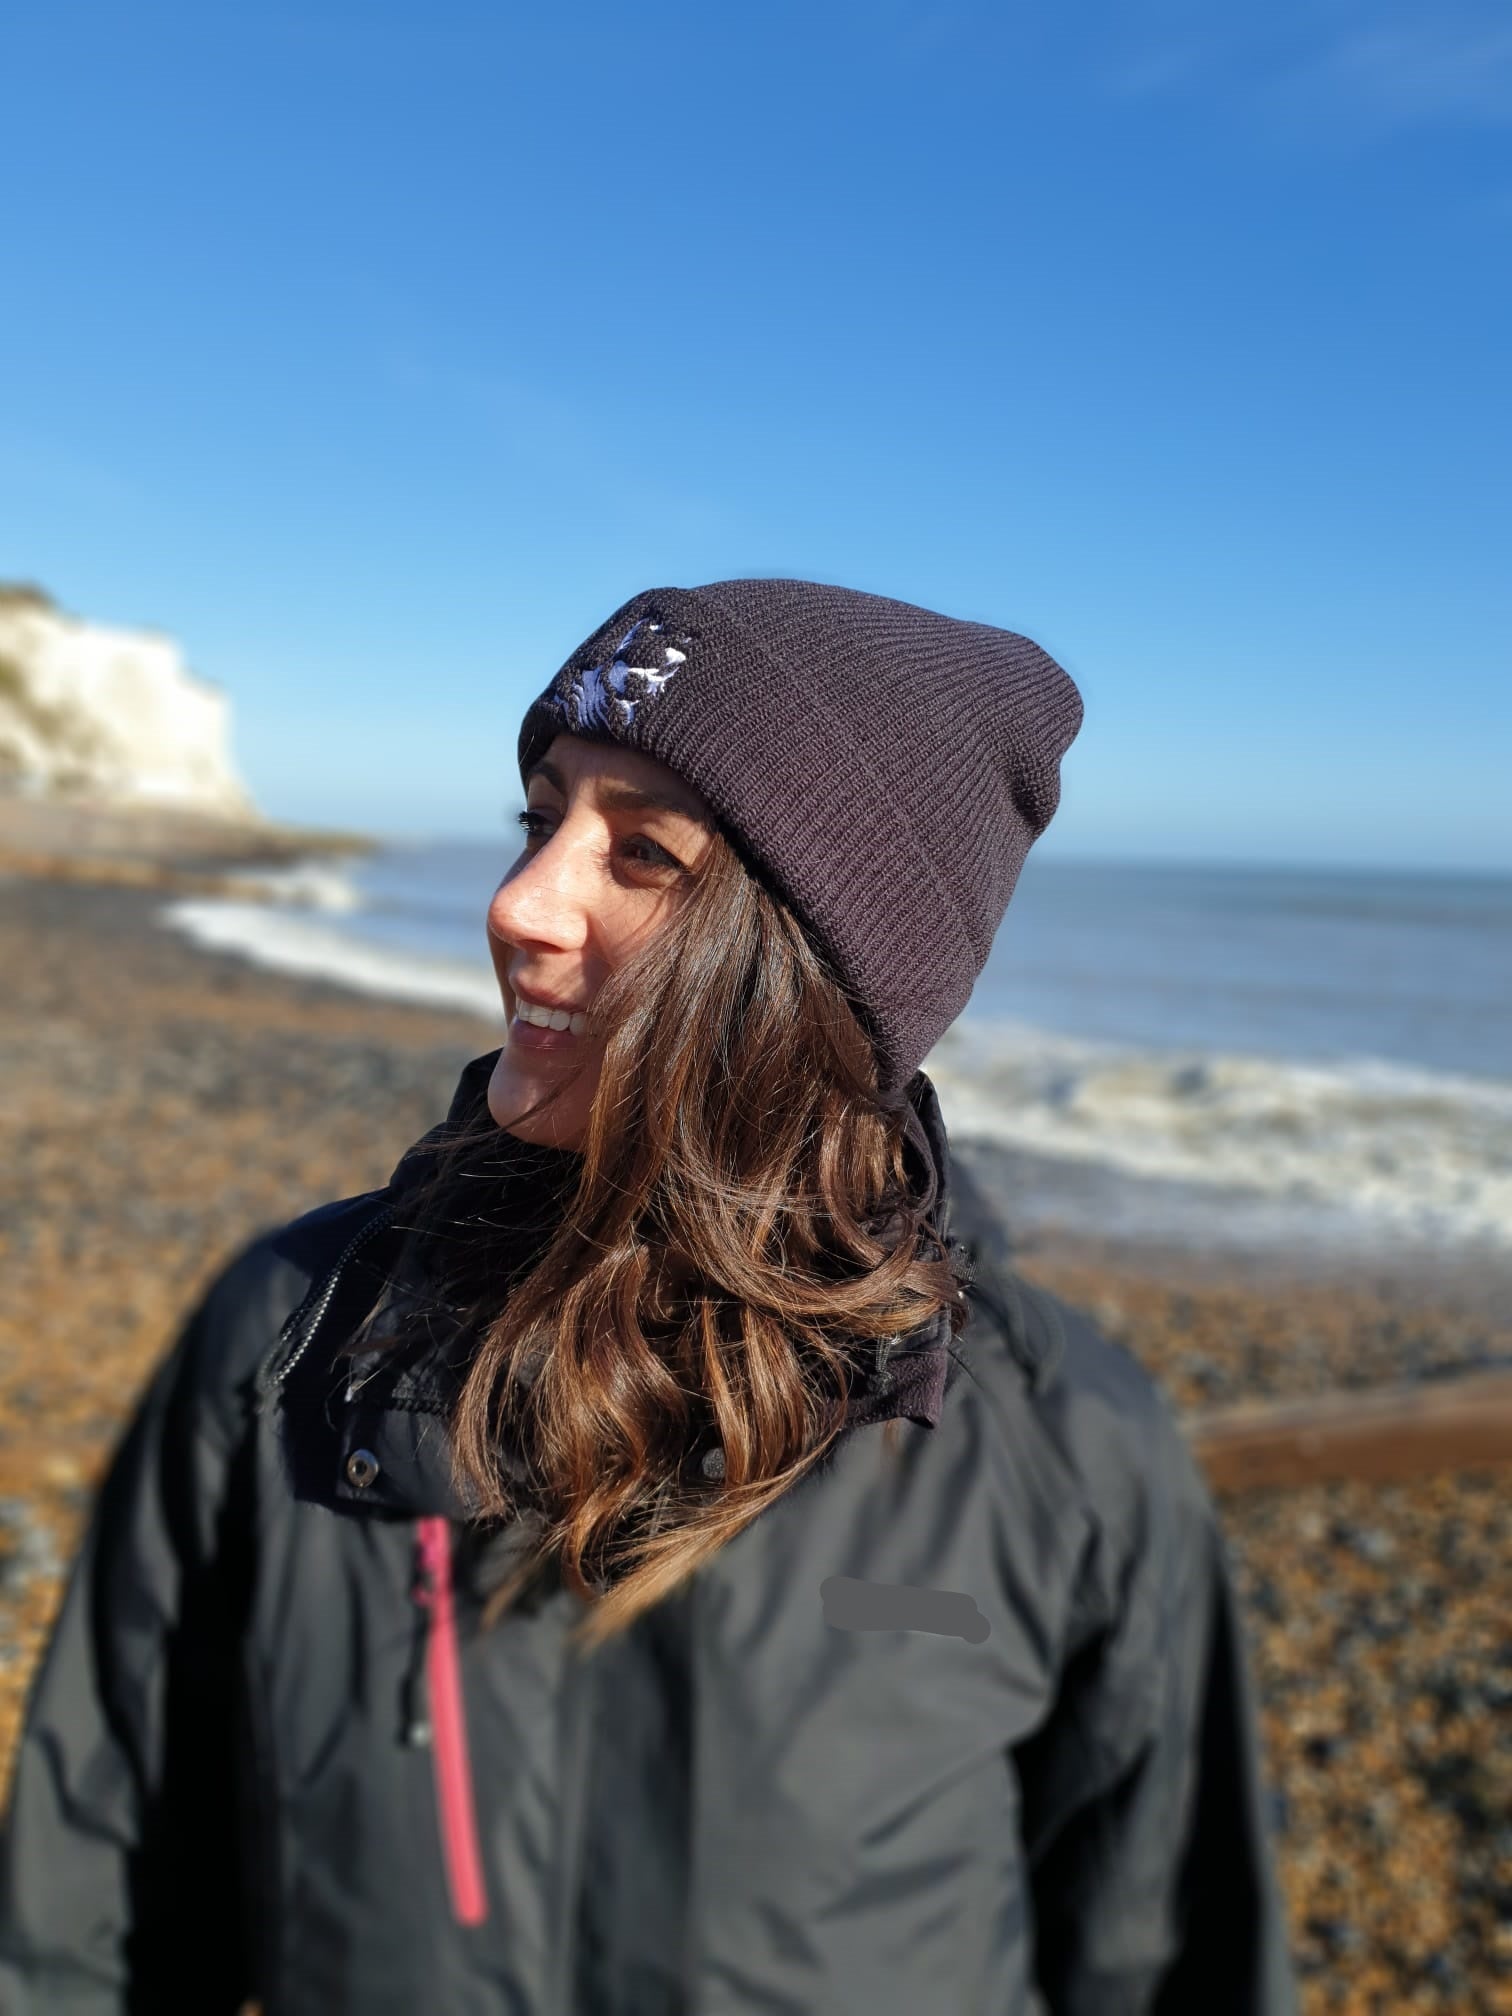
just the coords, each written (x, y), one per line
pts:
(163, 1103)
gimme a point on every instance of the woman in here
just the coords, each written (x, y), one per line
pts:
(628, 1565)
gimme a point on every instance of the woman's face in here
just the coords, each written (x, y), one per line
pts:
(609, 839)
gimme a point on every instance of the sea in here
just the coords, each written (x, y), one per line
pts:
(1237, 1056)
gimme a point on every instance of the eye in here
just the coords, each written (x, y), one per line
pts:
(639, 848)
(653, 856)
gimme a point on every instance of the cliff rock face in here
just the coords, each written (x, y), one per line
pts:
(109, 715)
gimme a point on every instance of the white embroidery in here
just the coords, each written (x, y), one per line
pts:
(606, 697)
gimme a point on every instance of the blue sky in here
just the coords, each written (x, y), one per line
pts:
(379, 352)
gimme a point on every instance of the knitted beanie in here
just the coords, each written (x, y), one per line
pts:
(885, 767)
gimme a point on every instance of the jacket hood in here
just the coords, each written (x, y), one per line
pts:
(398, 1391)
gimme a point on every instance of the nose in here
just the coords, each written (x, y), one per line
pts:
(541, 902)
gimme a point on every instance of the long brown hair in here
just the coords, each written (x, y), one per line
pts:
(741, 1226)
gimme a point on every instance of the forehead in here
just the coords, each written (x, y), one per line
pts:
(574, 764)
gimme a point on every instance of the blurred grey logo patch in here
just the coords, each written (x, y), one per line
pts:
(852, 1605)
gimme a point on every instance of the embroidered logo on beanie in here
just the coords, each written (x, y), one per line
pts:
(606, 696)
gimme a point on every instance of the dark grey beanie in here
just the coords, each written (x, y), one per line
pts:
(886, 767)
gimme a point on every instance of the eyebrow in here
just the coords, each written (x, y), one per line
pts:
(618, 797)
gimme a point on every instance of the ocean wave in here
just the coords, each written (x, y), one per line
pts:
(1422, 1154)
(303, 885)
(298, 945)
(1407, 1153)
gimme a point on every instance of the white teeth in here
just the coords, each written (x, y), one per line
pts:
(551, 1018)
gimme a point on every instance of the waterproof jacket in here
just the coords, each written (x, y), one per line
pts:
(962, 1723)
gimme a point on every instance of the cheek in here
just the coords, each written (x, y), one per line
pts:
(628, 919)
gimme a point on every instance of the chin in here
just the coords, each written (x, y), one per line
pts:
(557, 1127)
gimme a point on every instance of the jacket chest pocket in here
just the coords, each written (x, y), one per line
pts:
(495, 1711)
(435, 1718)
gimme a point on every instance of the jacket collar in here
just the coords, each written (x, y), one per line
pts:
(388, 1405)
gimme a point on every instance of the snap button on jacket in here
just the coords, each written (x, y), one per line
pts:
(361, 1468)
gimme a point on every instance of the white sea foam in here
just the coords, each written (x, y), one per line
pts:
(1421, 1156)
(1426, 1155)
(306, 885)
(299, 945)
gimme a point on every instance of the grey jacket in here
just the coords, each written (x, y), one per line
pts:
(962, 1723)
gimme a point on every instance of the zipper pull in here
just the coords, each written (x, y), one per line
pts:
(415, 1722)
(418, 1733)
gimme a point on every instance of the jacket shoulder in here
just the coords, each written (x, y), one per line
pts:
(1109, 1424)
(1111, 1454)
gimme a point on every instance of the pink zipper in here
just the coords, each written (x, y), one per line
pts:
(443, 1679)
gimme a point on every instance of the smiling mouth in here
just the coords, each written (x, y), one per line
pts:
(560, 1019)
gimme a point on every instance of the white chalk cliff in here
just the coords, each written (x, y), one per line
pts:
(109, 715)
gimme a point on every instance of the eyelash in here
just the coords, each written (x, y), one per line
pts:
(531, 821)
